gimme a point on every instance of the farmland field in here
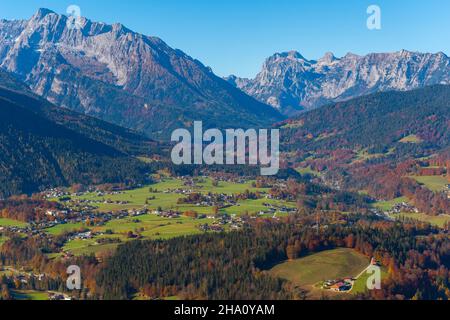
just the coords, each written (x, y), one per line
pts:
(158, 197)
(29, 295)
(411, 139)
(308, 170)
(143, 196)
(434, 183)
(330, 264)
(387, 205)
(439, 221)
(11, 223)
(360, 285)
(149, 226)
(62, 228)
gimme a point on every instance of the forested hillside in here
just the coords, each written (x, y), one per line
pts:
(231, 265)
(37, 152)
(377, 144)
(377, 122)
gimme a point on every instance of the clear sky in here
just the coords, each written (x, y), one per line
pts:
(236, 36)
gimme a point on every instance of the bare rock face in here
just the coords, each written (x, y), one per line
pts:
(291, 83)
(130, 79)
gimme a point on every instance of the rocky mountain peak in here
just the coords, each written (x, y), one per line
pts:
(41, 13)
(291, 83)
(328, 58)
(113, 73)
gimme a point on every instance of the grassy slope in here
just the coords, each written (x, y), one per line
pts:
(439, 221)
(330, 264)
(11, 223)
(30, 295)
(360, 285)
(387, 205)
(434, 183)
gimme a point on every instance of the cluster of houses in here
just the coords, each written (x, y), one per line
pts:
(234, 222)
(83, 210)
(71, 216)
(15, 229)
(22, 276)
(398, 208)
(63, 192)
(273, 209)
(82, 236)
(213, 227)
(345, 284)
(179, 191)
(55, 296)
(169, 214)
(220, 200)
(380, 214)
(79, 202)
(340, 285)
(403, 207)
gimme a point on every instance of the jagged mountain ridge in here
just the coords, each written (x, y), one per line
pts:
(123, 77)
(291, 83)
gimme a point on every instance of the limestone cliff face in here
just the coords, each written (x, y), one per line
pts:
(121, 76)
(289, 82)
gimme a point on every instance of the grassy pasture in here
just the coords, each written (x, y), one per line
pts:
(140, 197)
(360, 285)
(11, 223)
(149, 226)
(326, 265)
(434, 183)
(62, 228)
(154, 227)
(29, 295)
(387, 205)
(411, 139)
(308, 170)
(438, 221)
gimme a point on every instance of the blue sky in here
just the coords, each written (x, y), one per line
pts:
(236, 36)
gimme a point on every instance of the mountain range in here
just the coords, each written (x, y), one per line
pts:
(75, 103)
(291, 83)
(123, 77)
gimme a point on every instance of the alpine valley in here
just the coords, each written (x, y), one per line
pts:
(86, 177)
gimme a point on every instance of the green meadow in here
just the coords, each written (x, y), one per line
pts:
(411, 139)
(438, 221)
(151, 226)
(360, 285)
(308, 170)
(141, 197)
(29, 295)
(148, 226)
(11, 223)
(326, 265)
(138, 198)
(387, 205)
(63, 228)
(434, 183)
